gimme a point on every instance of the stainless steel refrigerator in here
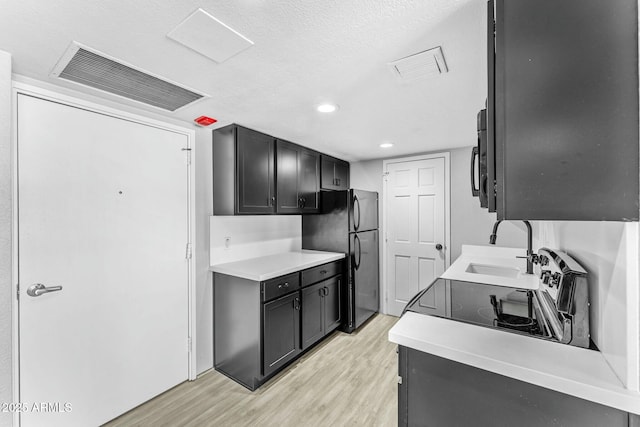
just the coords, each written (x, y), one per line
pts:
(348, 223)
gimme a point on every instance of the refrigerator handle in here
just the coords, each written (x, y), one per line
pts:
(356, 201)
(357, 263)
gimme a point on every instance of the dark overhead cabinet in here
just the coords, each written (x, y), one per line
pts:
(255, 173)
(298, 183)
(335, 173)
(562, 111)
(243, 172)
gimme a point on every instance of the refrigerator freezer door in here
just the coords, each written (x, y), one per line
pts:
(363, 210)
(364, 280)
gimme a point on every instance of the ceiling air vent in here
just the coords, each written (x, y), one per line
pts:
(422, 64)
(91, 68)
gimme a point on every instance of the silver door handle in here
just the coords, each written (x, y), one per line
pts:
(39, 289)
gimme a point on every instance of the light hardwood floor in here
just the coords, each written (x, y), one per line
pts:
(347, 380)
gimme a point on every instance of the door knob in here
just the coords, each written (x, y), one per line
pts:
(438, 246)
(39, 289)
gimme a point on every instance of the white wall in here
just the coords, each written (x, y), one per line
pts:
(253, 236)
(6, 393)
(609, 253)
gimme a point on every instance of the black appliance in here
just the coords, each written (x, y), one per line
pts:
(480, 153)
(557, 311)
(349, 224)
(486, 148)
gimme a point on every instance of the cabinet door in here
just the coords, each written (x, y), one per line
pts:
(332, 308)
(448, 393)
(287, 166)
(309, 180)
(312, 314)
(341, 175)
(298, 171)
(281, 332)
(335, 174)
(328, 176)
(255, 172)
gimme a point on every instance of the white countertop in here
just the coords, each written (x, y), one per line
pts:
(492, 256)
(270, 266)
(572, 370)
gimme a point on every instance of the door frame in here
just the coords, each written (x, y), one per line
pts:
(79, 102)
(447, 213)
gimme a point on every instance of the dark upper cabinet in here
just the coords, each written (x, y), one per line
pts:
(255, 173)
(335, 173)
(298, 179)
(564, 119)
(243, 172)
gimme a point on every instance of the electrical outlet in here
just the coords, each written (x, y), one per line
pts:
(227, 242)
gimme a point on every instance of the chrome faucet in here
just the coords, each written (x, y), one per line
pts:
(494, 235)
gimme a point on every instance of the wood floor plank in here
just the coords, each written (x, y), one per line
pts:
(347, 380)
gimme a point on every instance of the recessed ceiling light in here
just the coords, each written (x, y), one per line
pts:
(386, 145)
(327, 108)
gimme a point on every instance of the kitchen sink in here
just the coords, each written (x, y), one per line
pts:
(493, 270)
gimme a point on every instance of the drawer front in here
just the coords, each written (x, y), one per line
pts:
(274, 288)
(321, 272)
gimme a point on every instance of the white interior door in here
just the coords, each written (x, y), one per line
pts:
(103, 208)
(415, 228)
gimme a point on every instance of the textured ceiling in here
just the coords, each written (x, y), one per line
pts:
(305, 53)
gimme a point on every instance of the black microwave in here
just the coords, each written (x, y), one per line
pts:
(479, 162)
(484, 154)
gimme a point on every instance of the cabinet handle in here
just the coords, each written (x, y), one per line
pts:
(323, 271)
(296, 303)
(283, 285)
(326, 291)
(272, 201)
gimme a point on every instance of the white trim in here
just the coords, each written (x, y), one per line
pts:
(447, 213)
(27, 89)
(15, 331)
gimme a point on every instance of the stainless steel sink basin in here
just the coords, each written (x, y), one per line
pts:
(493, 270)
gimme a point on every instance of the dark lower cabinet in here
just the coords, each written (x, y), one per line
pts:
(434, 391)
(312, 314)
(332, 307)
(321, 310)
(260, 327)
(281, 332)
